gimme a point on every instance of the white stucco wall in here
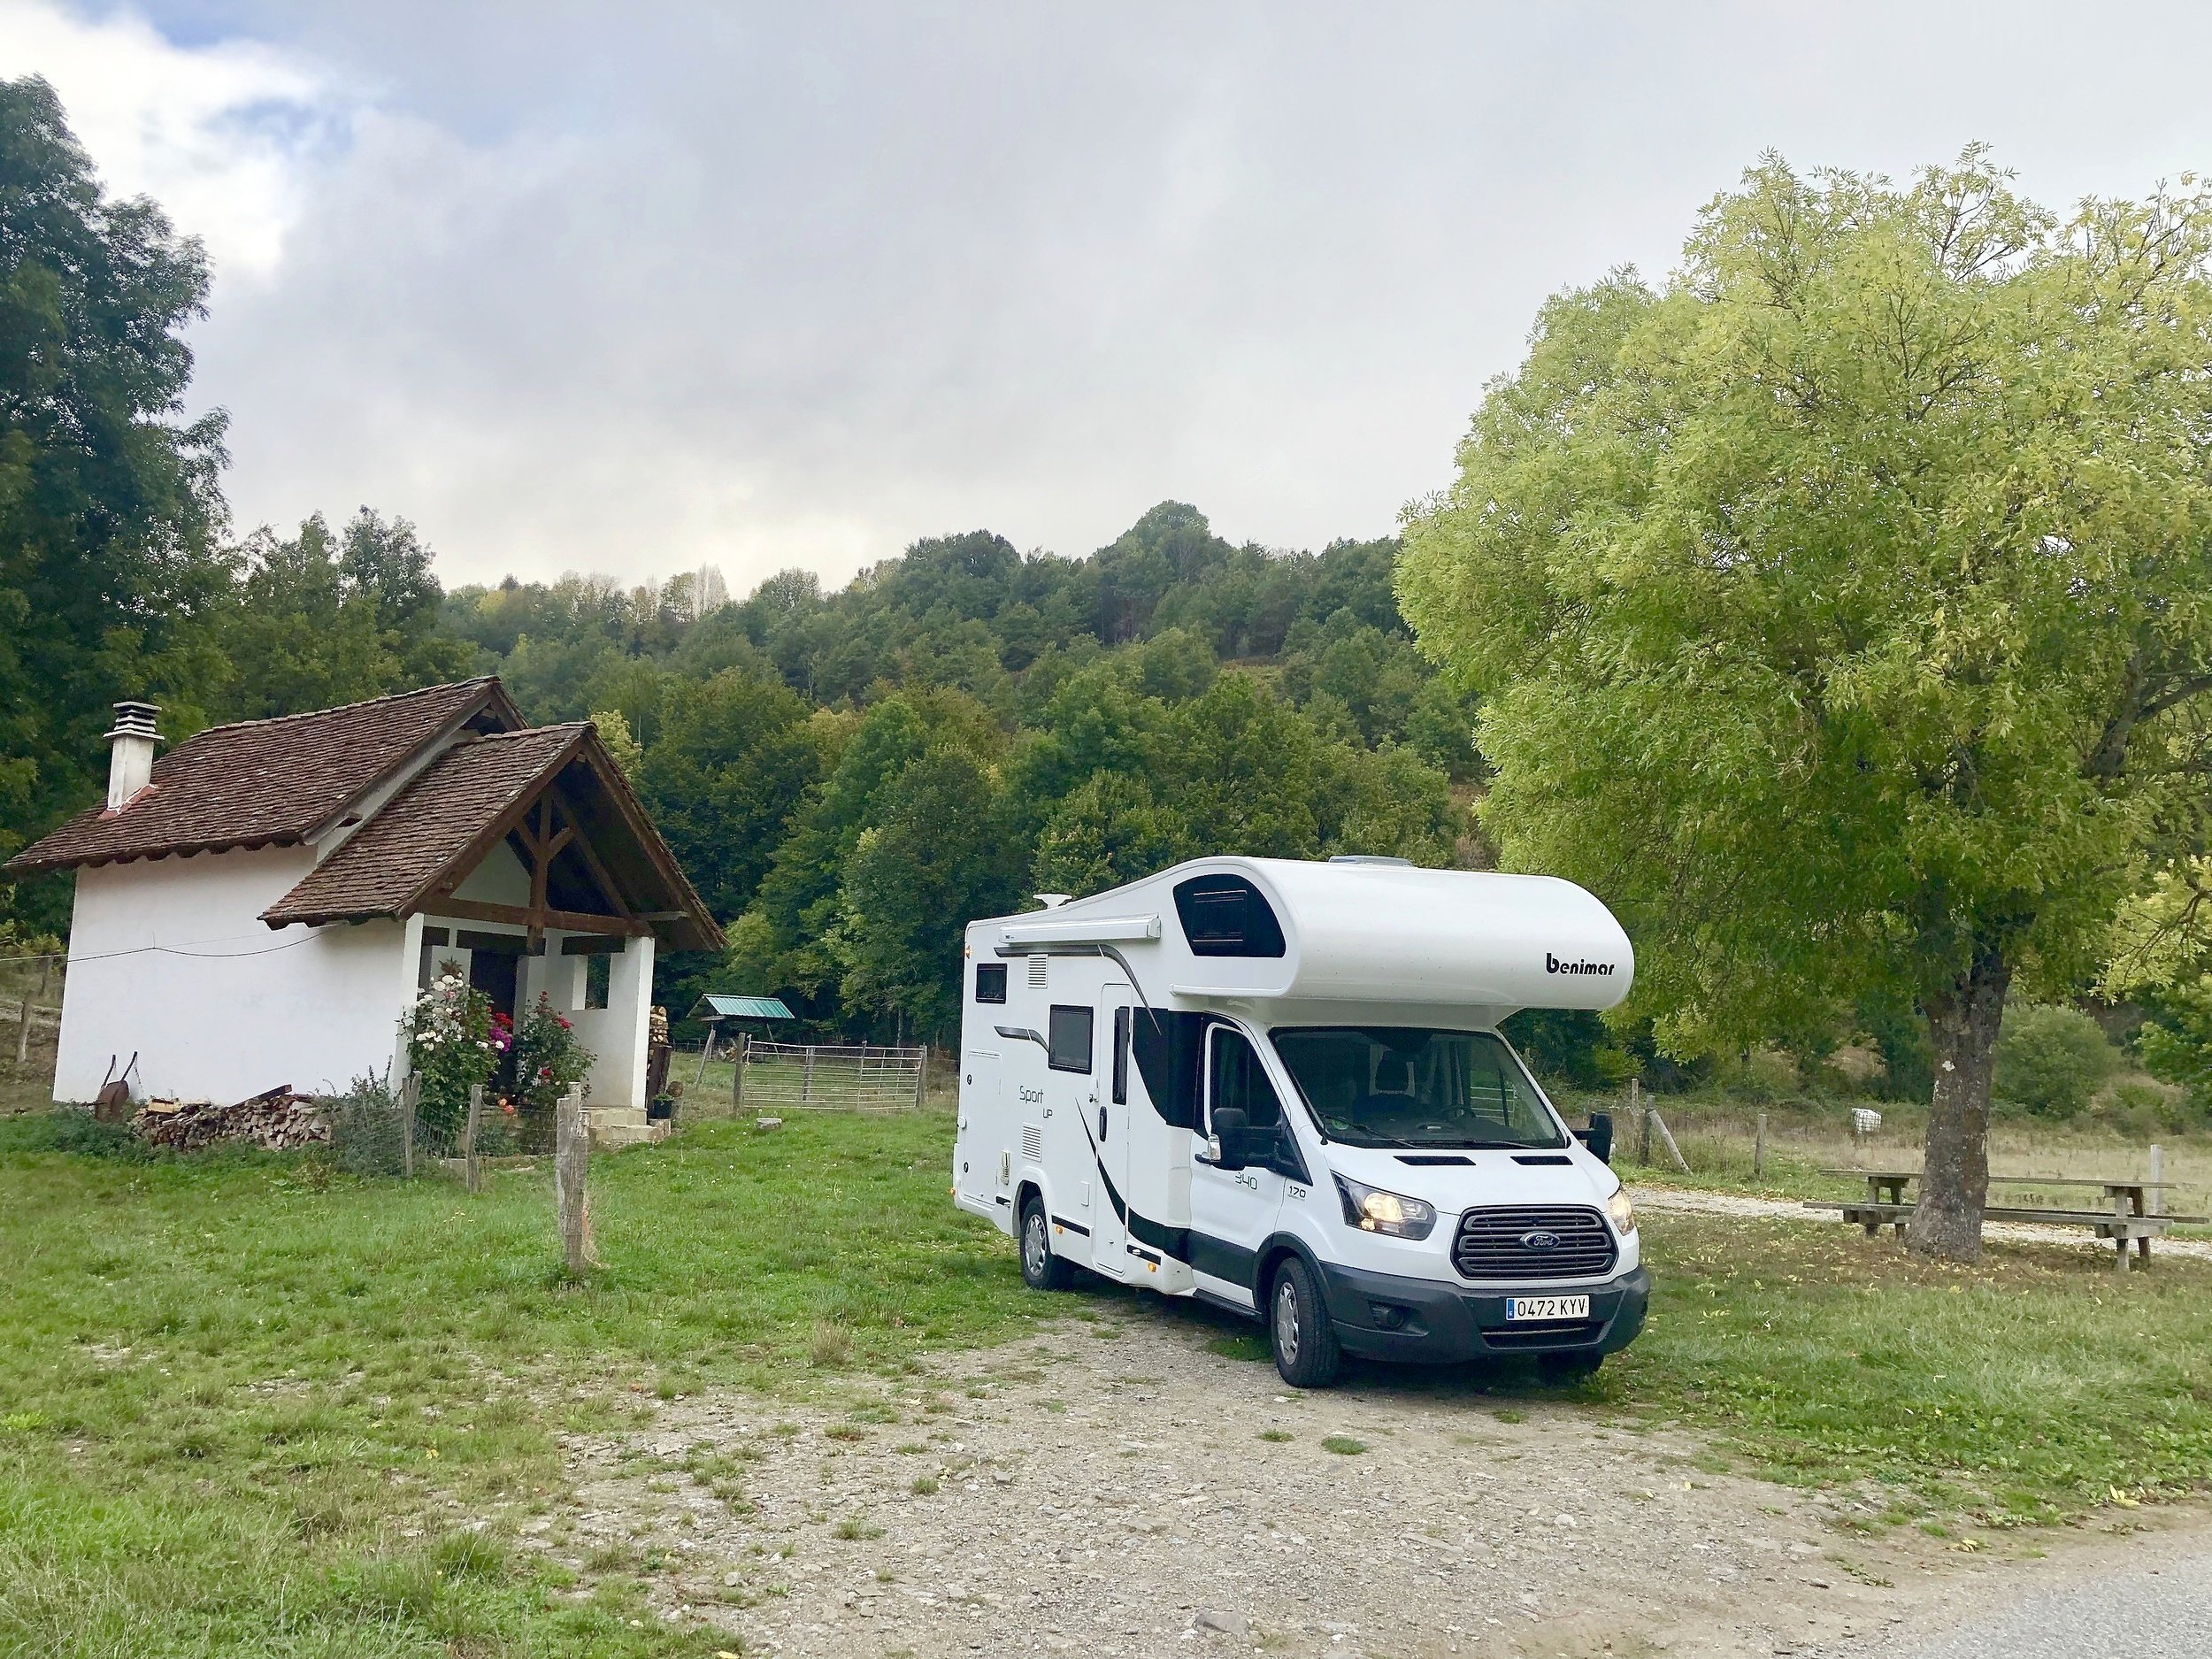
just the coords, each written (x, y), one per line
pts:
(617, 1033)
(166, 958)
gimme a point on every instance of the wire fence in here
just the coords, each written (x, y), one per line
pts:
(773, 1076)
(30, 1025)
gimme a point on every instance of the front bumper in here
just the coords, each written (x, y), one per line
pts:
(1382, 1315)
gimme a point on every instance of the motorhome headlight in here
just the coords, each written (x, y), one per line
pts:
(1371, 1210)
(1622, 1212)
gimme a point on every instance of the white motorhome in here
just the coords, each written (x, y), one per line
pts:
(1279, 1087)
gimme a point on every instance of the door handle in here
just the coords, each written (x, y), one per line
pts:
(1102, 1123)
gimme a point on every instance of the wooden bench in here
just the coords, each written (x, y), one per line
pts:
(2127, 1216)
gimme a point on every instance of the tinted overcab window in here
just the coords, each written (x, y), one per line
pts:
(1226, 916)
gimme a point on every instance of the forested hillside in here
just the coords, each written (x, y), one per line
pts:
(850, 775)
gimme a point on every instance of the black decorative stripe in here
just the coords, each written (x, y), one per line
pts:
(1221, 1259)
(1072, 1226)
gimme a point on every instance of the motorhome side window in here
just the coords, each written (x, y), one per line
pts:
(990, 982)
(1396, 1086)
(1121, 1056)
(1236, 1079)
(1068, 1039)
(1226, 916)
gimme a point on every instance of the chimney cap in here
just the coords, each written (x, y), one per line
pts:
(136, 719)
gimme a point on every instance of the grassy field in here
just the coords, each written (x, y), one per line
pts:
(248, 1406)
(1805, 1138)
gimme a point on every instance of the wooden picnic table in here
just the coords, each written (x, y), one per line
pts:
(2126, 1214)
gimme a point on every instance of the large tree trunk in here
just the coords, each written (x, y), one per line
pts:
(1955, 1180)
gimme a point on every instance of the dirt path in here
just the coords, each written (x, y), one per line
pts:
(1692, 1202)
(1119, 1487)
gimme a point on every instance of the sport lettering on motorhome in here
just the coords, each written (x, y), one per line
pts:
(1281, 1086)
(1552, 964)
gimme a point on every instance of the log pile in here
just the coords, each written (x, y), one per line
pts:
(275, 1120)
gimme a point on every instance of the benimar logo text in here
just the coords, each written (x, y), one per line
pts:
(1552, 964)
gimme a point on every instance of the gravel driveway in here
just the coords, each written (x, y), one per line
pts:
(1118, 1486)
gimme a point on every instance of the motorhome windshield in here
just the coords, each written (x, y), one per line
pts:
(1398, 1085)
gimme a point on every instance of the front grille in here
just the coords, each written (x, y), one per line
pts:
(1573, 1334)
(1489, 1245)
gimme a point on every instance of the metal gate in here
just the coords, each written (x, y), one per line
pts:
(814, 1077)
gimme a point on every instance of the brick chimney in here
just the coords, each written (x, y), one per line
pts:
(131, 752)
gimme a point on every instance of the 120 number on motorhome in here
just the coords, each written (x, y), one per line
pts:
(1546, 1307)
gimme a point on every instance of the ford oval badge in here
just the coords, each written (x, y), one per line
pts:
(1540, 1238)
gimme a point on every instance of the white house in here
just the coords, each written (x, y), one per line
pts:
(260, 905)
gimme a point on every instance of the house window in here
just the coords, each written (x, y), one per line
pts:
(1068, 1038)
(990, 982)
(598, 979)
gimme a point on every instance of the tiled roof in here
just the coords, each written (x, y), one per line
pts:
(391, 860)
(265, 782)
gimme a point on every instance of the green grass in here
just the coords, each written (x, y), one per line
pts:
(2030, 1387)
(1342, 1445)
(251, 1406)
(246, 1405)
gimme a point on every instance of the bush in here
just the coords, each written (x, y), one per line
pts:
(2051, 1060)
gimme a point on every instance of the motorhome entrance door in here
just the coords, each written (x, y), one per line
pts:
(1233, 1211)
(1106, 1126)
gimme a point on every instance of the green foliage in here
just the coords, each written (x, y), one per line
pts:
(453, 1042)
(734, 756)
(937, 855)
(550, 1058)
(108, 498)
(318, 620)
(2052, 1059)
(2175, 1041)
(1827, 634)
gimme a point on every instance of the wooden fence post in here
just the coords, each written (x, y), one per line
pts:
(1667, 1136)
(572, 1161)
(806, 1078)
(737, 1071)
(471, 1176)
(1637, 1116)
(921, 1078)
(410, 1092)
(2158, 1173)
(23, 1031)
(1759, 1150)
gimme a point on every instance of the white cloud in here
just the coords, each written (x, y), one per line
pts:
(220, 136)
(635, 288)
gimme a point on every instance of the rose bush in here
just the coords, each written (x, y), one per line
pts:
(455, 1041)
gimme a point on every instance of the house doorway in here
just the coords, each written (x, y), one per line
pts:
(496, 974)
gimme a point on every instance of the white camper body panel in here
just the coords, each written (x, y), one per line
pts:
(1098, 1038)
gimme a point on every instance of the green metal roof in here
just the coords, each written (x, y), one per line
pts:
(714, 1007)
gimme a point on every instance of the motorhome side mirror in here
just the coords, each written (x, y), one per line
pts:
(1599, 1136)
(1232, 1133)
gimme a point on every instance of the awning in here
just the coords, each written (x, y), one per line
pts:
(714, 1007)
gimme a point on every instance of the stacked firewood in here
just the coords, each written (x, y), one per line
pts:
(276, 1120)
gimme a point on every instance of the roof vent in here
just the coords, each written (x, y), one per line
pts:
(131, 752)
(1367, 858)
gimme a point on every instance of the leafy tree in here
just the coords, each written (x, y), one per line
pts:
(733, 759)
(939, 855)
(109, 499)
(321, 620)
(2052, 1059)
(1844, 605)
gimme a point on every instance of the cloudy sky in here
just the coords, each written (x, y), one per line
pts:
(628, 288)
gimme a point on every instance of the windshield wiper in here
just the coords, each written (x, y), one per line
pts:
(1359, 1134)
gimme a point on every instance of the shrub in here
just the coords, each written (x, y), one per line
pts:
(453, 1042)
(2051, 1060)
